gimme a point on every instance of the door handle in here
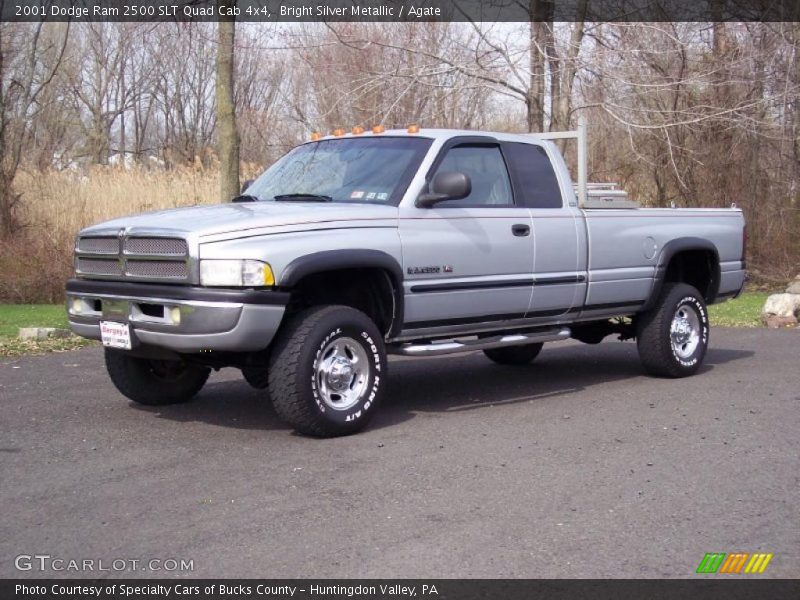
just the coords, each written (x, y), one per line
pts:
(520, 230)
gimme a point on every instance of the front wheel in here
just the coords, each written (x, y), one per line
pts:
(154, 382)
(673, 337)
(327, 371)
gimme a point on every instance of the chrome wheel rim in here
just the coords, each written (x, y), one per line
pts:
(342, 373)
(684, 332)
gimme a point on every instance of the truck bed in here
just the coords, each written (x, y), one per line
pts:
(625, 245)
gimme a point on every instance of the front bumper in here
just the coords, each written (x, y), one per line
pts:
(179, 318)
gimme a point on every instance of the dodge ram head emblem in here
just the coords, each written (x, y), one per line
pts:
(121, 235)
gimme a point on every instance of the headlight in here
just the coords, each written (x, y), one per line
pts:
(241, 273)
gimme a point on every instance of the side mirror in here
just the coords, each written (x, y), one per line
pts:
(447, 185)
(247, 184)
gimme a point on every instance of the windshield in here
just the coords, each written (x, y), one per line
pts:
(374, 170)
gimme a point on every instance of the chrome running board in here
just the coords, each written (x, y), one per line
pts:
(485, 343)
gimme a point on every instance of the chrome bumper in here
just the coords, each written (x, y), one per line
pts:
(179, 318)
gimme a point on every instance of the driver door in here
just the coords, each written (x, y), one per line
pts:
(470, 260)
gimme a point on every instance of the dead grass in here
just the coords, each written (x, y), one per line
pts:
(37, 260)
(11, 348)
(67, 201)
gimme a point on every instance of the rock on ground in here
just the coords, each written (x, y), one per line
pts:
(42, 333)
(783, 305)
(776, 322)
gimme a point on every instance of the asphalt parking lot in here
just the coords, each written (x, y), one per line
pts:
(577, 466)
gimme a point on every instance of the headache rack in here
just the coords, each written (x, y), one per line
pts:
(590, 195)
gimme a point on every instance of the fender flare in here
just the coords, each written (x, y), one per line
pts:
(332, 260)
(677, 246)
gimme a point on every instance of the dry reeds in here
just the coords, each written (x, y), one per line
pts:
(37, 260)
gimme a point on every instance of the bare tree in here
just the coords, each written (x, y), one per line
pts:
(184, 92)
(263, 88)
(694, 114)
(227, 132)
(540, 73)
(30, 56)
(363, 74)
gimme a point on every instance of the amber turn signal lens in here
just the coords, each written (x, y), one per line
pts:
(413, 129)
(378, 129)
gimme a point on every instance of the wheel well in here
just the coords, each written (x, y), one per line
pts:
(698, 268)
(371, 290)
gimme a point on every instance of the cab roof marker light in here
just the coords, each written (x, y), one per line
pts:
(316, 136)
(378, 129)
(338, 132)
(357, 130)
(413, 128)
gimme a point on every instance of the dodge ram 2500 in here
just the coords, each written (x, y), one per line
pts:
(412, 242)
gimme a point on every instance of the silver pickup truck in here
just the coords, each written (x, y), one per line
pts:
(412, 242)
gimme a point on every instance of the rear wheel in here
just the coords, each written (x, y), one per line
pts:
(514, 355)
(673, 337)
(154, 382)
(327, 371)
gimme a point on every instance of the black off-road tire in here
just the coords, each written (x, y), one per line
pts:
(297, 352)
(154, 382)
(514, 355)
(659, 355)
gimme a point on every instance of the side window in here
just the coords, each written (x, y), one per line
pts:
(485, 167)
(537, 183)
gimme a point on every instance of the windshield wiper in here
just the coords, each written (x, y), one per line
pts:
(303, 198)
(245, 198)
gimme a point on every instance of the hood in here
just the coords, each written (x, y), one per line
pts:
(231, 218)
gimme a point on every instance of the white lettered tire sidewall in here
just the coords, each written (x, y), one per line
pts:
(361, 410)
(693, 303)
(654, 333)
(293, 371)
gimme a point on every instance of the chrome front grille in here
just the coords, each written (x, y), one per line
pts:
(161, 246)
(132, 257)
(99, 266)
(98, 245)
(156, 269)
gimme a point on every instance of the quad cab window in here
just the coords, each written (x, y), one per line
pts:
(485, 167)
(536, 181)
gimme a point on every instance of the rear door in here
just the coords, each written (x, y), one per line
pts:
(558, 232)
(468, 260)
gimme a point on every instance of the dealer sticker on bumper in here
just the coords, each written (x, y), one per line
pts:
(115, 335)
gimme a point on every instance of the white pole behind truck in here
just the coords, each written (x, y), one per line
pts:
(583, 159)
(590, 195)
(580, 135)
